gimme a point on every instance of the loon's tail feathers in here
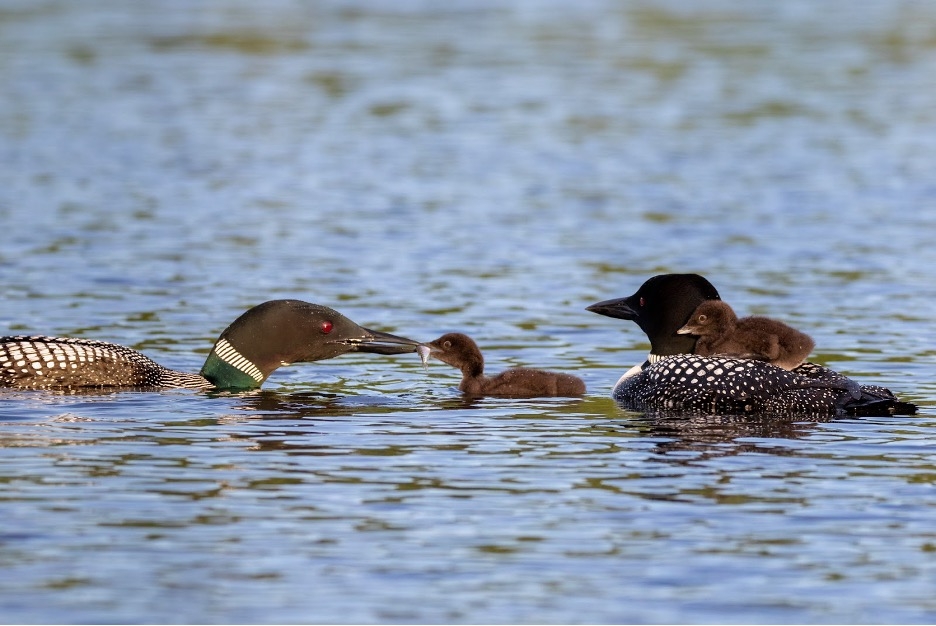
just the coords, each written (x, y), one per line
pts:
(860, 400)
(878, 402)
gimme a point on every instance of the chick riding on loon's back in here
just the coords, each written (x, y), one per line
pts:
(263, 338)
(720, 331)
(675, 379)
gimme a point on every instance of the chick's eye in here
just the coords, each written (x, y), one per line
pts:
(326, 327)
(447, 344)
(702, 318)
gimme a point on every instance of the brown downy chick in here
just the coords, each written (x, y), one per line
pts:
(459, 350)
(721, 332)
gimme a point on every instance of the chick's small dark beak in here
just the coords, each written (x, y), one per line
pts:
(617, 308)
(377, 342)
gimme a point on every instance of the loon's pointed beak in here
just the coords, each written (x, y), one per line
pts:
(377, 342)
(617, 308)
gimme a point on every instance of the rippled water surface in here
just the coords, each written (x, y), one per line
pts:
(486, 167)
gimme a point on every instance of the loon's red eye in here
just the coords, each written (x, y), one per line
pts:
(327, 327)
(642, 301)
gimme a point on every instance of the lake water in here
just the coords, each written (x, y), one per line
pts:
(485, 167)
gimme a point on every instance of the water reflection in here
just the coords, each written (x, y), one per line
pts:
(316, 404)
(713, 436)
(294, 420)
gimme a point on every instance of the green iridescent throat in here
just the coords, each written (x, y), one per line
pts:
(223, 375)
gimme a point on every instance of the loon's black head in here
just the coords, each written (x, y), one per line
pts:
(661, 307)
(280, 332)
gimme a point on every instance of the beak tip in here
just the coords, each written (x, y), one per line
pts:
(384, 343)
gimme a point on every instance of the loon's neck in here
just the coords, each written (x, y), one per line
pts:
(672, 343)
(226, 368)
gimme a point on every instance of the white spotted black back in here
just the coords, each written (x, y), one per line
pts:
(724, 385)
(39, 362)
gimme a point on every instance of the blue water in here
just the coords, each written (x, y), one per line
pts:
(490, 168)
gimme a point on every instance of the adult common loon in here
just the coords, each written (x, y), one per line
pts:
(754, 337)
(263, 338)
(461, 351)
(675, 379)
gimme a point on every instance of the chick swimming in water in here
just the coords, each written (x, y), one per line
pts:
(459, 350)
